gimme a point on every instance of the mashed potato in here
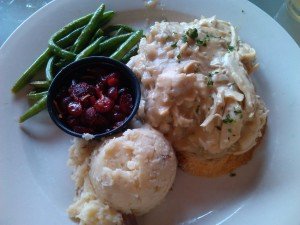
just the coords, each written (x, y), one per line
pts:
(128, 174)
(134, 172)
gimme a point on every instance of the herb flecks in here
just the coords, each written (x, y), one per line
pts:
(204, 41)
(178, 58)
(209, 81)
(228, 119)
(230, 48)
(168, 38)
(192, 33)
(238, 111)
(184, 38)
(229, 130)
(174, 45)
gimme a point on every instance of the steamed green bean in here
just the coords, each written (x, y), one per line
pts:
(89, 30)
(35, 109)
(35, 96)
(91, 49)
(112, 43)
(40, 84)
(127, 45)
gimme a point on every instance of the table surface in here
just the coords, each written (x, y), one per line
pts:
(14, 12)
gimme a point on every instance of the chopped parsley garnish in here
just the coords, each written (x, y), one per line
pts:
(192, 33)
(204, 41)
(237, 111)
(184, 38)
(178, 57)
(228, 119)
(230, 48)
(174, 45)
(209, 80)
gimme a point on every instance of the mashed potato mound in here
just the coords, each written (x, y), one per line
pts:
(129, 174)
(134, 172)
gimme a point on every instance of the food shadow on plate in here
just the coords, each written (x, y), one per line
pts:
(198, 200)
(41, 129)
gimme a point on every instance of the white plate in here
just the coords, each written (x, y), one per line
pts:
(35, 187)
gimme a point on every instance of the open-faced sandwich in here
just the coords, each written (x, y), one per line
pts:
(198, 92)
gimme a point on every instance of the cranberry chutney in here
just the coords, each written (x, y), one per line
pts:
(96, 95)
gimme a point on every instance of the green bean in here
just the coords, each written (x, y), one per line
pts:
(35, 109)
(116, 27)
(31, 71)
(50, 69)
(127, 45)
(55, 49)
(43, 58)
(131, 53)
(41, 84)
(89, 30)
(112, 43)
(88, 51)
(107, 16)
(62, 63)
(70, 38)
(35, 96)
(121, 31)
(99, 33)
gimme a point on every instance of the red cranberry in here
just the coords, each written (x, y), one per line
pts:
(104, 104)
(85, 100)
(80, 89)
(71, 121)
(112, 93)
(63, 105)
(89, 116)
(66, 100)
(118, 116)
(101, 121)
(126, 103)
(82, 129)
(100, 87)
(123, 91)
(74, 109)
(116, 108)
(112, 79)
(92, 100)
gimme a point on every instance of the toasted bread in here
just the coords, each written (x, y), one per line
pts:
(196, 166)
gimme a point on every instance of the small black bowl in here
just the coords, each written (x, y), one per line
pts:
(69, 72)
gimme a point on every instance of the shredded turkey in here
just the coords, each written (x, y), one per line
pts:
(197, 88)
